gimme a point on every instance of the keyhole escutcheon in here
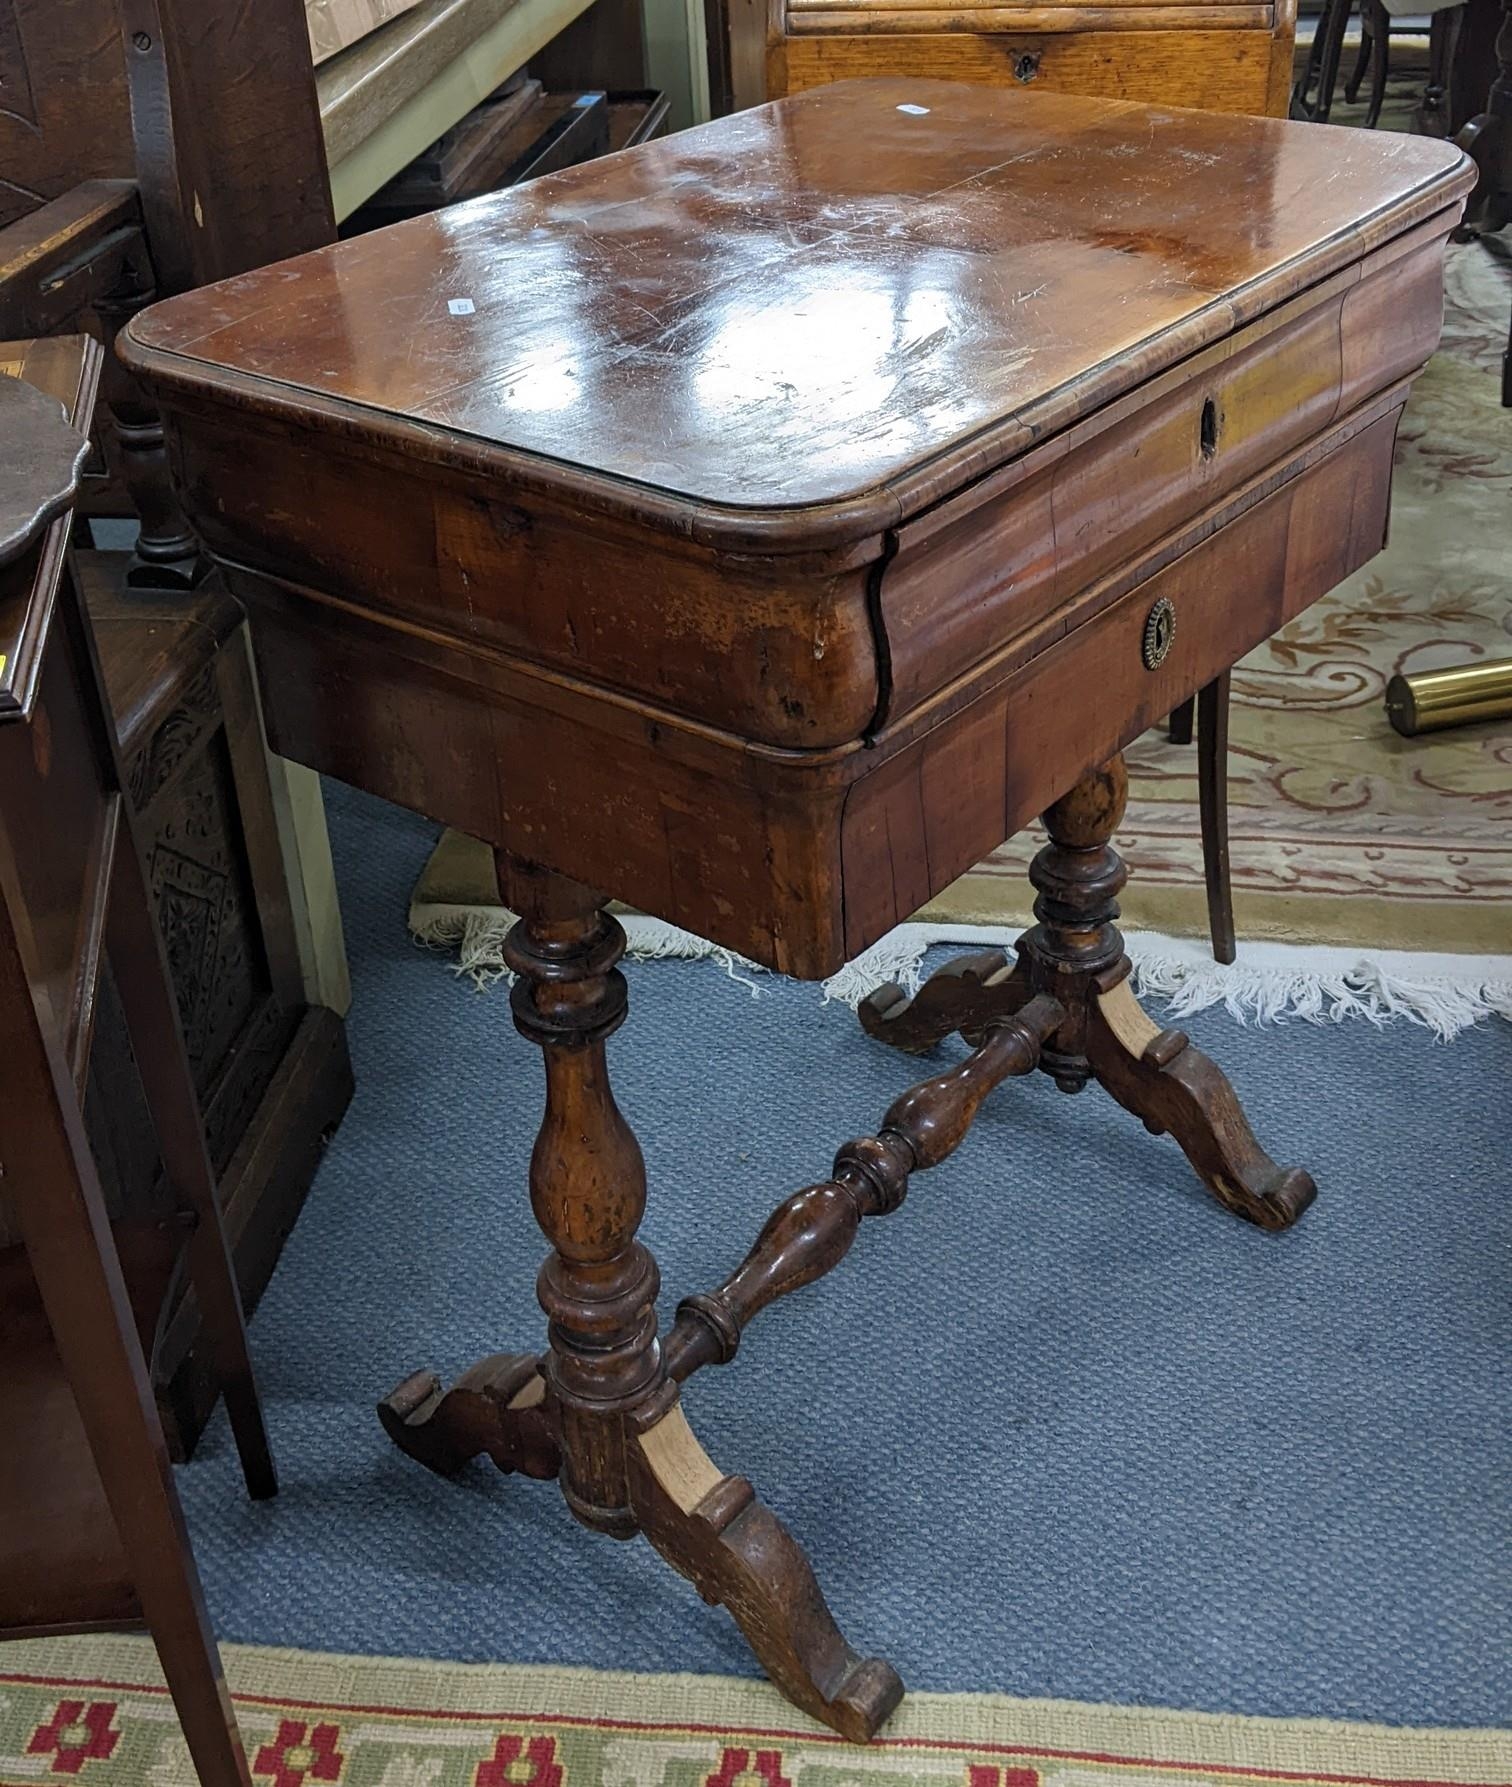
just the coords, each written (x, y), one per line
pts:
(1208, 429)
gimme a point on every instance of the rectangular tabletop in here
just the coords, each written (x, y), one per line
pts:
(823, 301)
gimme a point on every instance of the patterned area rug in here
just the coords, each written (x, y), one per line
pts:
(95, 1710)
(1341, 831)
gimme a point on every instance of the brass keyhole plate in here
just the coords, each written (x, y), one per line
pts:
(1159, 631)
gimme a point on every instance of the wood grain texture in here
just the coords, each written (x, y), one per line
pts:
(225, 175)
(791, 732)
(1035, 19)
(1217, 70)
(93, 1534)
(587, 1187)
(956, 275)
(63, 113)
(933, 418)
(923, 818)
(236, 181)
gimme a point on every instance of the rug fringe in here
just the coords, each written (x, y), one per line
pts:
(1269, 983)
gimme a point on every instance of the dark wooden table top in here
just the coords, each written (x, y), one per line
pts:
(857, 296)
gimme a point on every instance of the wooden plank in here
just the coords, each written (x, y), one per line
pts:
(392, 95)
(337, 24)
(1227, 71)
(1139, 17)
(230, 159)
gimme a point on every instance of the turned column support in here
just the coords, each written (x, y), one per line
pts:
(167, 554)
(602, 1410)
(587, 1187)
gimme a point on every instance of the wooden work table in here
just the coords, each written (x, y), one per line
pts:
(759, 527)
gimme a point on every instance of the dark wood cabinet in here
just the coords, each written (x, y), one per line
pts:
(122, 185)
(271, 1068)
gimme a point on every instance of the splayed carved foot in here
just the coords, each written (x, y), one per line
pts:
(1175, 1089)
(738, 1555)
(498, 1408)
(965, 995)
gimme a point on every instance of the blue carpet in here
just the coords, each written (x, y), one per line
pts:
(1058, 1427)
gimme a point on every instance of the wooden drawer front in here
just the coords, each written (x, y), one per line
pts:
(943, 801)
(965, 589)
(1228, 71)
(909, 17)
(790, 662)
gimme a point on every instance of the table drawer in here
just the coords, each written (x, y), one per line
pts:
(1217, 70)
(940, 801)
(977, 573)
(925, 17)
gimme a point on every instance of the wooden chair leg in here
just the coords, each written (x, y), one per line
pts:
(1312, 97)
(193, 1673)
(1378, 21)
(1212, 796)
(1181, 722)
(135, 950)
(58, 1205)
(1362, 60)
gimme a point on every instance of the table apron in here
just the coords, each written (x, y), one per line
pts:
(796, 859)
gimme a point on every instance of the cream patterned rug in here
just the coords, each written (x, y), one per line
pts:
(94, 1710)
(1372, 873)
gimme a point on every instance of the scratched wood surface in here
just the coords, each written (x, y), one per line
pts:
(805, 481)
(758, 527)
(811, 303)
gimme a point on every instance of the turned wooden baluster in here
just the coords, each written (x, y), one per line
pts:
(811, 1232)
(1077, 876)
(167, 554)
(587, 1188)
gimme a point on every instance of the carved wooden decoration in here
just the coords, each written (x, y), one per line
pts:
(39, 468)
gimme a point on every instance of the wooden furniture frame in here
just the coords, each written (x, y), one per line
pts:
(1229, 57)
(91, 1533)
(237, 862)
(798, 507)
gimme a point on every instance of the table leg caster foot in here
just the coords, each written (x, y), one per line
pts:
(1175, 1089)
(736, 1553)
(498, 1408)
